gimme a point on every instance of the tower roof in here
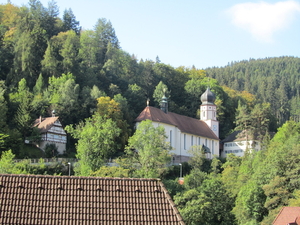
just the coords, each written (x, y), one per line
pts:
(208, 97)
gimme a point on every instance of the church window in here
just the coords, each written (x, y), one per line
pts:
(199, 140)
(213, 147)
(192, 141)
(184, 141)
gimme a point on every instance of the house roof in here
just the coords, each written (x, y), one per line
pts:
(44, 124)
(33, 199)
(241, 136)
(288, 215)
(234, 136)
(184, 123)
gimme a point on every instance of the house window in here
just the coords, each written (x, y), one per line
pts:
(171, 138)
(184, 141)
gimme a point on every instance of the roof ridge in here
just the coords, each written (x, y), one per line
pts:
(80, 177)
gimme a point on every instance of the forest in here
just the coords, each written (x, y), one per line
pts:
(97, 89)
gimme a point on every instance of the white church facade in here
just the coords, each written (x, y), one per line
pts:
(185, 132)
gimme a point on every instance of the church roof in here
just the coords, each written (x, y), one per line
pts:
(184, 123)
(44, 124)
(37, 199)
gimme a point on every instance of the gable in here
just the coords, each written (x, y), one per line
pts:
(32, 199)
(185, 124)
(49, 123)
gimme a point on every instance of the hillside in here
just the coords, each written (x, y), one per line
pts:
(48, 63)
(273, 80)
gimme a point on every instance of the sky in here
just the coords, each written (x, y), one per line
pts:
(200, 33)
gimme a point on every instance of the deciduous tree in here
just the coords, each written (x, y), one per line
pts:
(96, 142)
(149, 151)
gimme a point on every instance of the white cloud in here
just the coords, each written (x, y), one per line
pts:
(263, 19)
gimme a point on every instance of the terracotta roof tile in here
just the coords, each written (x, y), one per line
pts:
(184, 123)
(44, 124)
(85, 200)
(287, 215)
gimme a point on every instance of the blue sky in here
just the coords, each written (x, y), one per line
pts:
(202, 33)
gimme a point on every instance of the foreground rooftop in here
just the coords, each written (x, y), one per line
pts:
(33, 199)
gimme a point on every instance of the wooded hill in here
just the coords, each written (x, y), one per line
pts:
(273, 80)
(48, 63)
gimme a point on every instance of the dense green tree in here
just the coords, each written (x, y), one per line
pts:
(194, 207)
(295, 108)
(3, 108)
(208, 203)
(105, 35)
(230, 174)
(149, 151)
(136, 97)
(96, 142)
(69, 52)
(7, 164)
(70, 22)
(244, 121)
(63, 94)
(273, 80)
(115, 109)
(261, 120)
(249, 204)
(160, 90)
(51, 62)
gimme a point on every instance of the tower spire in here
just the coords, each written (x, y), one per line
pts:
(208, 111)
(164, 103)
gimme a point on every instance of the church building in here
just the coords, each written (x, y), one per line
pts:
(185, 132)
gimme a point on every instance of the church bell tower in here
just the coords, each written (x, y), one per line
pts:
(208, 111)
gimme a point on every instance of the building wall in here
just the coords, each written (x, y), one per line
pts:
(55, 135)
(208, 114)
(239, 147)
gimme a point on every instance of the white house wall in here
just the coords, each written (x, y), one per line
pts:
(57, 130)
(239, 147)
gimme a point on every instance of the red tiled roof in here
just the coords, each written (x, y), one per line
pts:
(45, 124)
(287, 215)
(32, 199)
(184, 123)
